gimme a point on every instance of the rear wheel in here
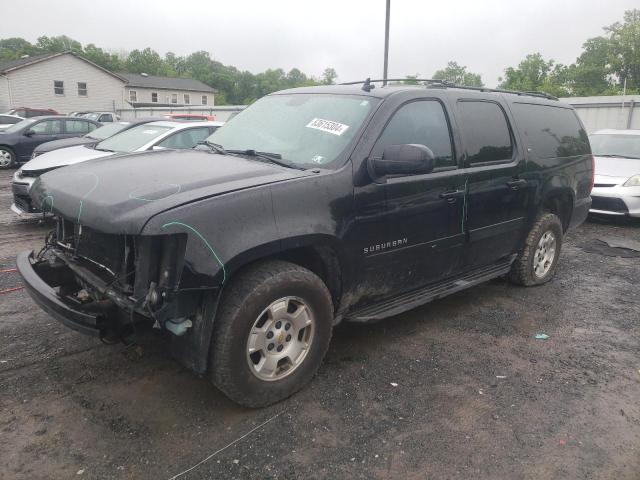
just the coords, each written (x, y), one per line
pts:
(537, 261)
(7, 157)
(271, 334)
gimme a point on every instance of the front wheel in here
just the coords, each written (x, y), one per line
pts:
(7, 158)
(271, 334)
(537, 261)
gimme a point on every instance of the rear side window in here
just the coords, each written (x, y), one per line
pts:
(551, 131)
(424, 123)
(485, 132)
(76, 126)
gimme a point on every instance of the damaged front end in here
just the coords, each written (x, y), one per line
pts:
(107, 284)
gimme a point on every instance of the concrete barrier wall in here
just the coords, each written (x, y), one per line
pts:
(616, 111)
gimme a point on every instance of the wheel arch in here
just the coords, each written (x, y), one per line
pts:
(559, 201)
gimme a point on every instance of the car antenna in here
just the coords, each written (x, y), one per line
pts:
(367, 86)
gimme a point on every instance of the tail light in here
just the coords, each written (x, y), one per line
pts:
(593, 173)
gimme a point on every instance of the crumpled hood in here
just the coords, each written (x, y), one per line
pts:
(119, 194)
(65, 143)
(617, 167)
(63, 157)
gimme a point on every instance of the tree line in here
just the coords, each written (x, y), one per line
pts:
(608, 64)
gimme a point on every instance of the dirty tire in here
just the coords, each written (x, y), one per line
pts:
(245, 298)
(522, 270)
(7, 157)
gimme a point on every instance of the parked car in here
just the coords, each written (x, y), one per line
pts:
(314, 206)
(19, 140)
(92, 137)
(102, 117)
(26, 112)
(617, 182)
(158, 135)
(77, 114)
(191, 117)
(7, 120)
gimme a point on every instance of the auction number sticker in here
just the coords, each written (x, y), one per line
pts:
(328, 126)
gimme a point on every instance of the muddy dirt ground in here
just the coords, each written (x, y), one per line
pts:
(477, 395)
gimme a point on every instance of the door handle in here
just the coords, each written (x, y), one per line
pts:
(451, 195)
(515, 184)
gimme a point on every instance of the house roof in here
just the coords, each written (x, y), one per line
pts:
(131, 79)
(24, 62)
(167, 83)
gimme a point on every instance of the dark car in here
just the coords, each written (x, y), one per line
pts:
(94, 136)
(26, 112)
(313, 206)
(18, 141)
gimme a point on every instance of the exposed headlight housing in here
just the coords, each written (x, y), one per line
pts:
(17, 175)
(632, 182)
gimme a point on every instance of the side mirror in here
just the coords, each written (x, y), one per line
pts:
(409, 159)
(29, 133)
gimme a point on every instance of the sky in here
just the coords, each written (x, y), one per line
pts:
(348, 35)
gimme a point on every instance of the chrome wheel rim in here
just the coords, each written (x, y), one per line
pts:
(280, 339)
(544, 255)
(5, 158)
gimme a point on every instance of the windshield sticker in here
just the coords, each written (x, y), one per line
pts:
(317, 159)
(328, 126)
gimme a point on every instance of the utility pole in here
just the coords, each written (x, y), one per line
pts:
(386, 45)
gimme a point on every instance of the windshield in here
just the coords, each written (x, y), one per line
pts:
(132, 139)
(108, 130)
(305, 129)
(615, 145)
(91, 116)
(16, 127)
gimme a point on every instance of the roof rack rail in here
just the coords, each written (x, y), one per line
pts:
(367, 86)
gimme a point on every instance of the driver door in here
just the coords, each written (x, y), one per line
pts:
(423, 214)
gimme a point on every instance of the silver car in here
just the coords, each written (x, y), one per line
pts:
(616, 189)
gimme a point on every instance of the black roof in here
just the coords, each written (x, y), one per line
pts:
(380, 91)
(167, 83)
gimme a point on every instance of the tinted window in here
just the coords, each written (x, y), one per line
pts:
(423, 122)
(485, 132)
(76, 126)
(47, 127)
(186, 138)
(9, 120)
(551, 131)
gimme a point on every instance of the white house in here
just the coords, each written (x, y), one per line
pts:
(67, 82)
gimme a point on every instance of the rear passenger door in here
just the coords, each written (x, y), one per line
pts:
(75, 128)
(497, 192)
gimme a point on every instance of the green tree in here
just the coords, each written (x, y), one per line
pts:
(14, 48)
(534, 73)
(624, 55)
(328, 76)
(145, 61)
(58, 44)
(459, 75)
(107, 60)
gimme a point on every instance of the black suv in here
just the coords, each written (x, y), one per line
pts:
(313, 206)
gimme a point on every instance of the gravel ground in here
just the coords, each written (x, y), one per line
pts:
(459, 388)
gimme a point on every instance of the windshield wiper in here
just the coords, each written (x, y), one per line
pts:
(268, 156)
(216, 147)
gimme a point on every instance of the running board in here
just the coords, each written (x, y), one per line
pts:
(415, 298)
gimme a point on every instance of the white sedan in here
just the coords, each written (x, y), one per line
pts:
(149, 136)
(616, 189)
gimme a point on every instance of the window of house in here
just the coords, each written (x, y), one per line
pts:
(485, 132)
(82, 89)
(58, 87)
(154, 97)
(204, 100)
(174, 98)
(133, 96)
(424, 123)
(187, 99)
